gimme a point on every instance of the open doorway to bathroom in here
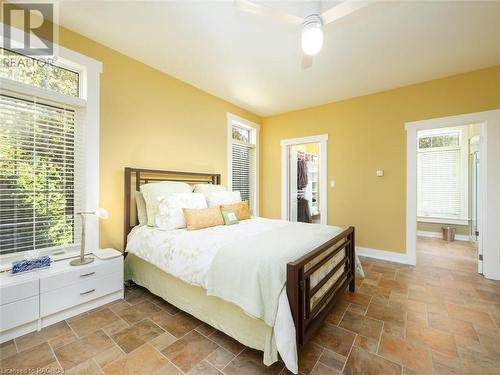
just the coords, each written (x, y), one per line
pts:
(483, 162)
(447, 197)
(303, 179)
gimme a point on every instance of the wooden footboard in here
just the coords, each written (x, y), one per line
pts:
(326, 290)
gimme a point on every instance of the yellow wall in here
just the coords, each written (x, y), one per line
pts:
(310, 148)
(367, 133)
(150, 120)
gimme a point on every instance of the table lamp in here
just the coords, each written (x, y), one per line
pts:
(101, 213)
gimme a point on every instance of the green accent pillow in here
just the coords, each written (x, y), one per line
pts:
(230, 217)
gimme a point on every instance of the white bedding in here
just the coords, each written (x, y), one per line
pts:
(188, 255)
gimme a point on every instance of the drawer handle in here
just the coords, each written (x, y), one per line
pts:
(87, 274)
(87, 292)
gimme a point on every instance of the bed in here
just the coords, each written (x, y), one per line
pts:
(217, 274)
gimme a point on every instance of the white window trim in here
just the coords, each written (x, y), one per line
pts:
(464, 160)
(442, 220)
(254, 188)
(89, 71)
(489, 199)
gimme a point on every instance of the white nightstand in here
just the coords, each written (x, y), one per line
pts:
(66, 290)
(19, 304)
(38, 299)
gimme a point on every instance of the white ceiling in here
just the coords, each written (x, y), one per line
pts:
(255, 62)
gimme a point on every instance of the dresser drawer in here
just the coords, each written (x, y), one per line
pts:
(18, 313)
(55, 279)
(15, 289)
(81, 292)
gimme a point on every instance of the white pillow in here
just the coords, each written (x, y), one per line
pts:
(208, 188)
(142, 215)
(223, 197)
(153, 192)
(170, 215)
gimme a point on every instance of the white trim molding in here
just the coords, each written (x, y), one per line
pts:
(322, 139)
(389, 256)
(438, 220)
(255, 128)
(489, 197)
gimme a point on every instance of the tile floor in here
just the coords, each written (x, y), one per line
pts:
(440, 317)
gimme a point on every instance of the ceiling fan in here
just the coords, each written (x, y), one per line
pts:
(312, 24)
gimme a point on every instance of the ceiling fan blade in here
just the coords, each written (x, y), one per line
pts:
(307, 61)
(343, 9)
(262, 10)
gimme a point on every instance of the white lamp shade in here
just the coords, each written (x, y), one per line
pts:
(102, 213)
(312, 38)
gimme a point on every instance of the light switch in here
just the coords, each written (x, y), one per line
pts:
(332, 183)
(380, 173)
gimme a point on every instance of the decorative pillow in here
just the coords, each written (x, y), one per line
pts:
(142, 215)
(223, 197)
(153, 192)
(240, 209)
(208, 188)
(170, 214)
(202, 218)
(229, 217)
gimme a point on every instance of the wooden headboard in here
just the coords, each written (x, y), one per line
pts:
(135, 177)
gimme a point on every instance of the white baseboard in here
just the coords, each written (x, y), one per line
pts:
(458, 237)
(18, 331)
(384, 255)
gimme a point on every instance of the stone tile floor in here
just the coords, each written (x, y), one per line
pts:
(440, 317)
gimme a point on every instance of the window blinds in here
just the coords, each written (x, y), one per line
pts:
(41, 174)
(439, 184)
(241, 170)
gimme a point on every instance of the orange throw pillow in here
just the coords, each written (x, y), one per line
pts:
(202, 218)
(240, 209)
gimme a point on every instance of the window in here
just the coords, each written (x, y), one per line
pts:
(41, 157)
(38, 73)
(442, 174)
(243, 159)
(450, 139)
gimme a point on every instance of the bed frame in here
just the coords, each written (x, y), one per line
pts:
(307, 318)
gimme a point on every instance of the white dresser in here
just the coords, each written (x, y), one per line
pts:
(31, 301)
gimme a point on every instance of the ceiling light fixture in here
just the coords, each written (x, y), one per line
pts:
(312, 35)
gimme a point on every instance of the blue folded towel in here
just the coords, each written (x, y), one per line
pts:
(30, 264)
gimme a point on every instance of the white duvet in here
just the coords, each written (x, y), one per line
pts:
(188, 255)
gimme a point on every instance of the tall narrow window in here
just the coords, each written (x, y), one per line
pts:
(241, 170)
(243, 159)
(41, 161)
(442, 175)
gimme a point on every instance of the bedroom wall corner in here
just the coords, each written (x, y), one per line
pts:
(367, 133)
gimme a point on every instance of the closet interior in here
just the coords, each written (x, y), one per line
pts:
(304, 165)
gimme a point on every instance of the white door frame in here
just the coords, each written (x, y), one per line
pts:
(488, 195)
(323, 163)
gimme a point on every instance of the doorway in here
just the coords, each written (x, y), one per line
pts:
(488, 184)
(447, 196)
(474, 189)
(303, 179)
